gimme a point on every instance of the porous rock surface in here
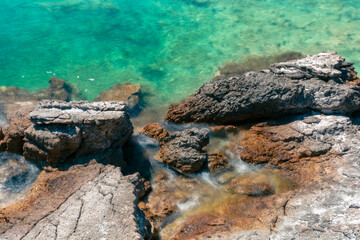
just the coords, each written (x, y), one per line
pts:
(294, 87)
(182, 150)
(323, 157)
(86, 202)
(62, 130)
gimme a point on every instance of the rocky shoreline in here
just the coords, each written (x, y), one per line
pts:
(292, 172)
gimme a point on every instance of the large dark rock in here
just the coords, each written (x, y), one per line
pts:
(183, 150)
(294, 87)
(62, 130)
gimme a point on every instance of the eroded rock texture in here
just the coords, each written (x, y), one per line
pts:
(62, 130)
(294, 87)
(321, 154)
(86, 202)
(183, 150)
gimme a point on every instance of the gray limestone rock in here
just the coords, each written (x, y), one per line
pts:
(61, 130)
(325, 65)
(104, 208)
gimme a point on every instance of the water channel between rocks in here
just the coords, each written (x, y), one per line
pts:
(214, 200)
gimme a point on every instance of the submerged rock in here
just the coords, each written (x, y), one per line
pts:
(126, 92)
(58, 90)
(253, 64)
(252, 184)
(274, 93)
(183, 150)
(62, 130)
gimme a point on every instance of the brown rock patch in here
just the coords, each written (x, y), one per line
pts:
(218, 162)
(155, 131)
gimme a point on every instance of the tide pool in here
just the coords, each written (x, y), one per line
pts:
(170, 47)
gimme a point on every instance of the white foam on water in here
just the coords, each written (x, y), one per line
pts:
(206, 178)
(189, 204)
(240, 166)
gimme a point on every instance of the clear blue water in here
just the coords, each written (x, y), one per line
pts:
(169, 46)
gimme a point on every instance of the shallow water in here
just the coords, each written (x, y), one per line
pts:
(169, 46)
(16, 176)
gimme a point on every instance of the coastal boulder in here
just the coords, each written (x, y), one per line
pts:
(313, 83)
(183, 150)
(61, 130)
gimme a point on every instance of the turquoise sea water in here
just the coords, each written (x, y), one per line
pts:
(169, 46)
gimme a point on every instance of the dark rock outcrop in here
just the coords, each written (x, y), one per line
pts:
(183, 150)
(62, 130)
(295, 87)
